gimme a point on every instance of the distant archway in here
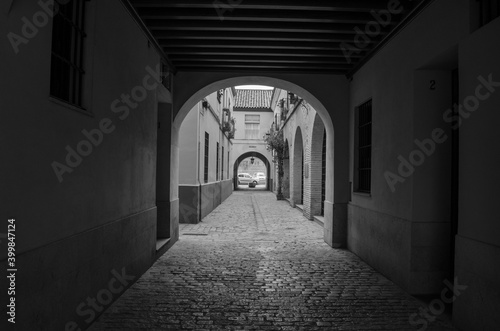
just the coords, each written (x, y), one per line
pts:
(256, 155)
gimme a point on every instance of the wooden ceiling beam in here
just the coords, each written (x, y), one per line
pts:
(263, 66)
(256, 15)
(254, 44)
(268, 27)
(266, 35)
(177, 52)
(298, 5)
(296, 60)
(256, 71)
(245, 35)
(263, 38)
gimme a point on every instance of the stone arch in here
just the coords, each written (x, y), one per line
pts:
(247, 155)
(331, 90)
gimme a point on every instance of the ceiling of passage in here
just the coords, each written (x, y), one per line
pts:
(295, 36)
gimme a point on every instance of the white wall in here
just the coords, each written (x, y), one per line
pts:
(192, 140)
(266, 119)
(189, 157)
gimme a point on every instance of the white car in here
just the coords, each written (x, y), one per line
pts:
(244, 178)
(260, 177)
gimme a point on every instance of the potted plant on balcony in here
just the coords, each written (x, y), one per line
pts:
(226, 127)
(229, 127)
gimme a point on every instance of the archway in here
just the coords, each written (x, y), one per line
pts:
(297, 178)
(286, 171)
(314, 197)
(260, 157)
(332, 90)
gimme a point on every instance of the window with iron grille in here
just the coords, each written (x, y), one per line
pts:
(487, 11)
(205, 168)
(364, 148)
(222, 165)
(217, 163)
(68, 36)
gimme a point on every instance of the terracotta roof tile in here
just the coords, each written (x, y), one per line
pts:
(252, 99)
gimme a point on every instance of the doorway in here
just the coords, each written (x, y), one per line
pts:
(163, 226)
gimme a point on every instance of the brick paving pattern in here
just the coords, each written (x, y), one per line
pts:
(257, 264)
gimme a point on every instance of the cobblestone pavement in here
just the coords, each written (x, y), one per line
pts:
(257, 264)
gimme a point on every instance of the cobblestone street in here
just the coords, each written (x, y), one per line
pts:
(257, 264)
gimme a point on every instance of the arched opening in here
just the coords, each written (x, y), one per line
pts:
(255, 155)
(286, 171)
(314, 202)
(323, 173)
(338, 218)
(298, 169)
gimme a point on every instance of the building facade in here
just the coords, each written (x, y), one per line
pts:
(205, 148)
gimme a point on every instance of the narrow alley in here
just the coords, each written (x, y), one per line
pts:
(257, 264)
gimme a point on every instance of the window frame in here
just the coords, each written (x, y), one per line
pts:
(206, 157)
(363, 147)
(217, 162)
(69, 87)
(222, 164)
(252, 122)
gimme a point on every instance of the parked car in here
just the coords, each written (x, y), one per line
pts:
(260, 178)
(244, 178)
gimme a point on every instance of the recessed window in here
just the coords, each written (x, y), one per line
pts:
(323, 174)
(68, 37)
(207, 149)
(252, 127)
(217, 163)
(222, 165)
(363, 159)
